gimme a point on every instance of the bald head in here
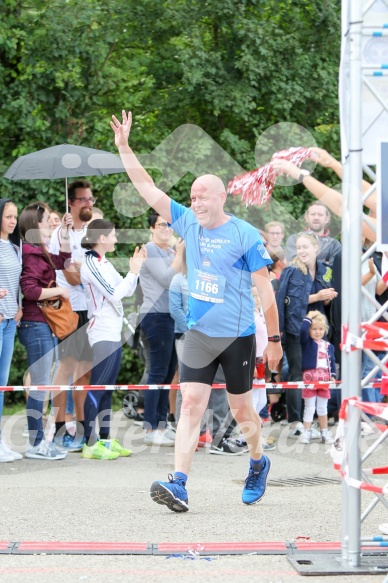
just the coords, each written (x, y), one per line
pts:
(208, 196)
(209, 182)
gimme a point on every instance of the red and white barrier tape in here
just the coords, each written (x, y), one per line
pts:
(377, 409)
(375, 337)
(339, 454)
(375, 471)
(364, 485)
(256, 385)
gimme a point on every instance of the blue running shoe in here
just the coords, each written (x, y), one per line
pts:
(256, 483)
(172, 494)
(68, 443)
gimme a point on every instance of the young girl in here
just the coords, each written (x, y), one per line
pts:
(318, 364)
(104, 290)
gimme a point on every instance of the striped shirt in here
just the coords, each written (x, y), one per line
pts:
(10, 270)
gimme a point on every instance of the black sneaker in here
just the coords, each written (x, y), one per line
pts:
(138, 419)
(229, 446)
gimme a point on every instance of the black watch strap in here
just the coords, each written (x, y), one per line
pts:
(303, 174)
(274, 338)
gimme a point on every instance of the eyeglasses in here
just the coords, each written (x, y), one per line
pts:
(84, 200)
(163, 226)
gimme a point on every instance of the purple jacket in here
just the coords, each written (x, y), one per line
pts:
(37, 272)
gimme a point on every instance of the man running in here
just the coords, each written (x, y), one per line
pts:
(223, 255)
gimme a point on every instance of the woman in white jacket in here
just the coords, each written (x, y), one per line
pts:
(104, 290)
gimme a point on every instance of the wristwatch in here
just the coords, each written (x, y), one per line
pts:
(303, 174)
(274, 338)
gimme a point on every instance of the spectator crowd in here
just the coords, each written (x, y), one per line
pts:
(44, 255)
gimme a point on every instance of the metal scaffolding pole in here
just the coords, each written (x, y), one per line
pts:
(351, 234)
(363, 87)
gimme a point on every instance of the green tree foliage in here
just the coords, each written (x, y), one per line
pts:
(231, 67)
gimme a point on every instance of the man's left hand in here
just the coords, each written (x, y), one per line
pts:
(272, 354)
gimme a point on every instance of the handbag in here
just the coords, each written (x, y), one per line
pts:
(59, 315)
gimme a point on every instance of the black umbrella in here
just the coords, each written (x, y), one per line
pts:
(64, 161)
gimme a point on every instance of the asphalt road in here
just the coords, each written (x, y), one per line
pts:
(108, 501)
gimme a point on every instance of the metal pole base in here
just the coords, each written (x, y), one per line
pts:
(310, 564)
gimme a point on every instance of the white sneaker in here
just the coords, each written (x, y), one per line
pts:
(296, 431)
(158, 438)
(383, 527)
(284, 422)
(315, 433)
(25, 433)
(170, 433)
(267, 446)
(305, 437)
(5, 449)
(366, 429)
(45, 450)
(327, 436)
(5, 457)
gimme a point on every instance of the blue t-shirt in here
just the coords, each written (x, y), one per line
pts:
(219, 264)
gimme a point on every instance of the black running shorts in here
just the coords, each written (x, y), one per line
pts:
(202, 354)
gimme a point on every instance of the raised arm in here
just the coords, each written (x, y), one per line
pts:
(117, 287)
(330, 197)
(140, 178)
(328, 161)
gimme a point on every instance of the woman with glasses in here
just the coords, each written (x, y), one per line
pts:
(158, 326)
(304, 285)
(75, 357)
(38, 270)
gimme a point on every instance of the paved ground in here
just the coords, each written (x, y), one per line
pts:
(82, 500)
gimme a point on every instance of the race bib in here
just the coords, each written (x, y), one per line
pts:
(208, 287)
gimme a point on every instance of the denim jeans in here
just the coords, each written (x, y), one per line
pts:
(294, 401)
(285, 368)
(38, 341)
(98, 404)
(372, 394)
(7, 341)
(159, 331)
